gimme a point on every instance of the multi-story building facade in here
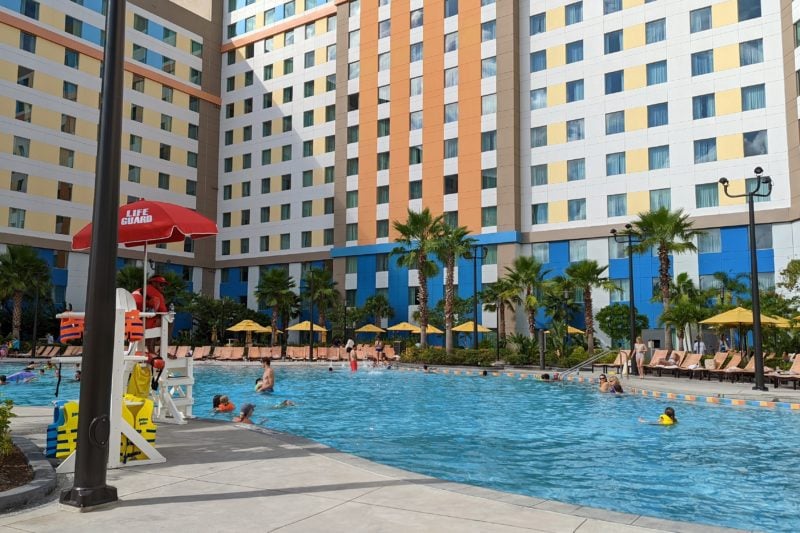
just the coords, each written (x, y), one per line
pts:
(538, 125)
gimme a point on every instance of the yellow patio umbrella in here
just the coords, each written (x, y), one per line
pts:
(403, 326)
(430, 329)
(267, 329)
(468, 327)
(370, 328)
(574, 331)
(738, 316)
(783, 323)
(248, 326)
(305, 325)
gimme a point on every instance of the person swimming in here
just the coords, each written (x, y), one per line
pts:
(222, 404)
(284, 403)
(245, 414)
(667, 418)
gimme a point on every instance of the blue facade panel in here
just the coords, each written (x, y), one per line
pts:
(398, 290)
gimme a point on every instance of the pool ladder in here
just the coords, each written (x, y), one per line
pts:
(577, 368)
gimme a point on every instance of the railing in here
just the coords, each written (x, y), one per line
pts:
(575, 369)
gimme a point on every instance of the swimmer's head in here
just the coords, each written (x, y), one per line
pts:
(247, 410)
(2, 378)
(670, 412)
(223, 399)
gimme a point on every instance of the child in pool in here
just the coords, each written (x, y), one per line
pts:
(666, 419)
(224, 405)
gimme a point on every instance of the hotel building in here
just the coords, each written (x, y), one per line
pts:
(307, 127)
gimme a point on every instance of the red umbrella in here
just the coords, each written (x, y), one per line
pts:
(148, 222)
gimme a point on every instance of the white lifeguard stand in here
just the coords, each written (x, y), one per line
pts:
(172, 401)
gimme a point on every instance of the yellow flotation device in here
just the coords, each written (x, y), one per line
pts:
(62, 434)
(138, 412)
(664, 420)
(139, 382)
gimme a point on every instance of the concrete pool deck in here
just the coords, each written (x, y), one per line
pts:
(226, 477)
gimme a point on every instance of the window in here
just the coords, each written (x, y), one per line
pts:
(381, 195)
(763, 236)
(227, 192)
(611, 6)
(383, 161)
(541, 252)
(450, 148)
(709, 242)
(489, 178)
(286, 241)
(573, 13)
(70, 92)
(16, 218)
(352, 166)
(702, 63)
(706, 195)
(415, 52)
(488, 31)
(574, 51)
(538, 61)
(658, 157)
(660, 198)
(22, 146)
(488, 141)
(330, 53)
(575, 130)
(700, 19)
(615, 122)
(538, 23)
(705, 150)
(538, 136)
(351, 265)
(489, 67)
(621, 292)
(286, 211)
(286, 182)
(307, 208)
(753, 97)
(576, 169)
(751, 52)
(381, 229)
(613, 41)
(451, 77)
(68, 125)
(164, 151)
(286, 152)
(23, 112)
(191, 159)
(655, 31)
(414, 190)
(191, 187)
(538, 175)
(416, 18)
(27, 42)
(66, 157)
(576, 209)
(451, 42)
(415, 155)
(615, 164)
(19, 182)
(574, 91)
(750, 185)
(381, 262)
(749, 9)
(71, 58)
(166, 122)
(352, 134)
(614, 82)
(539, 98)
(163, 181)
(657, 115)
(488, 104)
(488, 216)
(384, 28)
(450, 8)
(755, 143)
(308, 59)
(24, 76)
(383, 93)
(703, 106)
(383, 127)
(329, 174)
(351, 232)
(353, 70)
(195, 76)
(657, 72)
(197, 48)
(577, 251)
(617, 205)
(134, 174)
(538, 214)
(415, 118)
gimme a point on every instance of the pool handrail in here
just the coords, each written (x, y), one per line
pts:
(577, 368)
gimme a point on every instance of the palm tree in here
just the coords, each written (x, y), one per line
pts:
(417, 238)
(322, 290)
(498, 297)
(130, 277)
(452, 244)
(21, 270)
(681, 315)
(670, 232)
(378, 306)
(274, 290)
(586, 275)
(729, 286)
(527, 277)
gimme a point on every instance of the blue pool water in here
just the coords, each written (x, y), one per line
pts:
(736, 467)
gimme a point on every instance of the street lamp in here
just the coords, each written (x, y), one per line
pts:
(474, 255)
(309, 286)
(497, 336)
(631, 237)
(751, 226)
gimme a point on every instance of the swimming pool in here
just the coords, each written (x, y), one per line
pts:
(721, 465)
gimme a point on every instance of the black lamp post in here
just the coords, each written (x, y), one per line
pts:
(631, 237)
(309, 285)
(497, 337)
(474, 255)
(756, 296)
(564, 302)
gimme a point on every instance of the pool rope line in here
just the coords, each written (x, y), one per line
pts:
(632, 390)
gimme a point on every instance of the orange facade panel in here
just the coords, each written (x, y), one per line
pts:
(368, 119)
(433, 110)
(398, 115)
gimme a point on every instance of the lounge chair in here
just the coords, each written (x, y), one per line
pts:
(321, 353)
(716, 363)
(237, 353)
(657, 361)
(182, 351)
(617, 363)
(733, 363)
(223, 353)
(690, 363)
(201, 352)
(793, 374)
(749, 370)
(669, 364)
(171, 350)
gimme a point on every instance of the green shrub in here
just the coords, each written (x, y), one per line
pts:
(5, 427)
(460, 357)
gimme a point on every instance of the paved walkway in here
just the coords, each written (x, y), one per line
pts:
(226, 477)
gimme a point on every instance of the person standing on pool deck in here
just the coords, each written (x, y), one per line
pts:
(378, 349)
(267, 379)
(350, 348)
(639, 350)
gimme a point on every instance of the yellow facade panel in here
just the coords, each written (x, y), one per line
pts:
(49, 85)
(9, 36)
(638, 202)
(735, 187)
(86, 129)
(635, 77)
(148, 178)
(50, 17)
(183, 42)
(45, 153)
(236, 247)
(319, 115)
(555, 18)
(320, 84)
(724, 13)
(556, 133)
(556, 56)
(82, 195)
(274, 242)
(730, 147)
(87, 97)
(49, 50)
(319, 145)
(626, 4)
(557, 95)
(727, 102)
(8, 71)
(8, 107)
(726, 57)
(175, 246)
(635, 119)
(633, 37)
(91, 66)
(277, 69)
(182, 71)
(317, 238)
(3, 216)
(636, 160)
(84, 162)
(321, 26)
(317, 207)
(152, 89)
(277, 42)
(557, 172)
(320, 56)
(557, 212)
(40, 222)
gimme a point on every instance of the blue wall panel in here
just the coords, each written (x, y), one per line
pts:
(398, 290)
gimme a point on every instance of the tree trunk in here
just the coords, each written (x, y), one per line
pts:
(423, 305)
(531, 315)
(16, 315)
(501, 321)
(589, 318)
(681, 343)
(274, 318)
(448, 306)
(664, 279)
